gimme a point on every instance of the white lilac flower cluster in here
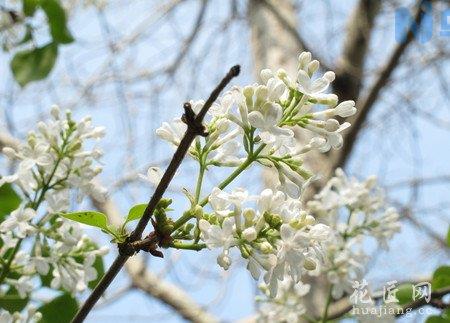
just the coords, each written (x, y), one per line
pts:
(256, 123)
(277, 238)
(29, 315)
(365, 212)
(52, 166)
(353, 210)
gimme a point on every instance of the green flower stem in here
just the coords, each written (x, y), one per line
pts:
(188, 246)
(327, 305)
(7, 266)
(198, 188)
(250, 159)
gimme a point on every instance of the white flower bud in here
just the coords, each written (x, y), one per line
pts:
(329, 76)
(249, 234)
(265, 247)
(249, 214)
(309, 220)
(313, 66)
(224, 261)
(310, 264)
(266, 75)
(54, 111)
(261, 94)
(345, 109)
(332, 125)
(303, 60)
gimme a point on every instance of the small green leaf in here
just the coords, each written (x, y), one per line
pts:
(57, 21)
(9, 200)
(135, 212)
(29, 7)
(47, 279)
(441, 278)
(405, 293)
(92, 218)
(34, 64)
(60, 310)
(12, 302)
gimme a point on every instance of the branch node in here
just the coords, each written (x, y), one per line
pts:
(190, 119)
(126, 249)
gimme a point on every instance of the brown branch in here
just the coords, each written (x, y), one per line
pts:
(284, 22)
(435, 296)
(194, 128)
(365, 105)
(153, 285)
(189, 41)
(350, 66)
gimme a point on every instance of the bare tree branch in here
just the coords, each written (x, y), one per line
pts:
(365, 104)
(126, 250)
(350, 66)
(190, 40)
(153, 285)
(290, 28)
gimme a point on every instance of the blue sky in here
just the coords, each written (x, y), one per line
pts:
(396, 146)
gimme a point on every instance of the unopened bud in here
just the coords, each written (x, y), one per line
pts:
(224, 261)
(309, 264)
(249, 215)
(198, 211)
(313, 66)
(54, 111)
(329, 76)
(265, 247)
(249, 234)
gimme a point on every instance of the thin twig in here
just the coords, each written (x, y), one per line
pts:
(194, 128)
(293, 32)
(365, 105)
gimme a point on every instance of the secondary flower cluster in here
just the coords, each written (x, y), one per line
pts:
(353, 210)
(366, 214)
(51, 165)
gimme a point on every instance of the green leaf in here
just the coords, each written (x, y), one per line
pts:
(405, 293)
(47, 279)
(57, 21)
(135, 212)
(441, 278)
(92, 218)
(34, 64)
(12, 302)
(100, 268)
(29, 7)
(9, 200)
(436, 319)
(60, 310)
